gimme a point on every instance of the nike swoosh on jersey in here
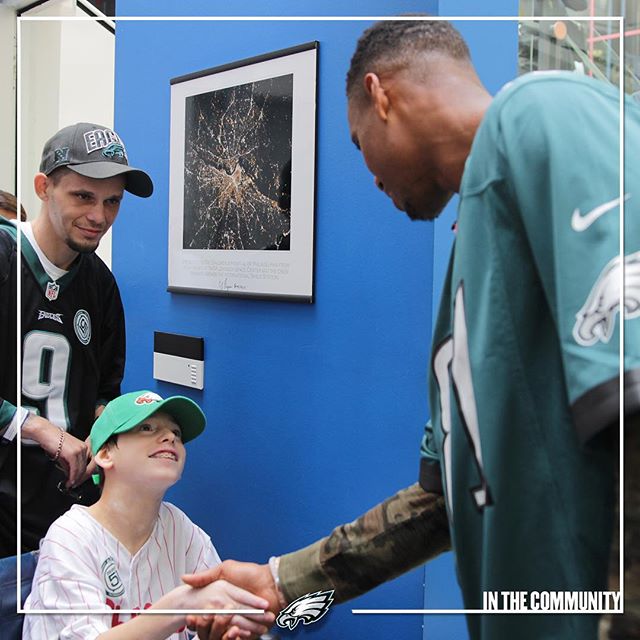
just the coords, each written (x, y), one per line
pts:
(580, 223)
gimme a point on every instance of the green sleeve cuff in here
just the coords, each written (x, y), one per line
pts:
(7, 412)
(301, 572)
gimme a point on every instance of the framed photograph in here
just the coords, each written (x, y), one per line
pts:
(242, 177)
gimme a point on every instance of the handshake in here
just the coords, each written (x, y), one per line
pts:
(236, 583)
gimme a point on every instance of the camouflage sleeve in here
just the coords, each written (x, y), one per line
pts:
(395, 536)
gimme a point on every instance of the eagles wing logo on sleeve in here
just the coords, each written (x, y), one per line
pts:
(308, 609)
(597, 318)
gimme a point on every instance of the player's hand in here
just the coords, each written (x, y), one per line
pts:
(223, 595)
(256, 577)
(74, 453)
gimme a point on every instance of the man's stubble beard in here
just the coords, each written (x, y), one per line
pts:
(82, 248)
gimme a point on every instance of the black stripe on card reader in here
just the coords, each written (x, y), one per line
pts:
(174, 344)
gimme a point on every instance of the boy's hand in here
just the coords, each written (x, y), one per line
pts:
(254, 577)
(223, 595)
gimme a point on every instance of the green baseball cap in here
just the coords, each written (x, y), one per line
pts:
(128, 411)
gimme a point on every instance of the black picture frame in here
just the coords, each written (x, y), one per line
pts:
(242, 177)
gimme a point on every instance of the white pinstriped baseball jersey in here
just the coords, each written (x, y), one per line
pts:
(83, 566)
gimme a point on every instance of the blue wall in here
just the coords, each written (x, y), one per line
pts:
(315, 411)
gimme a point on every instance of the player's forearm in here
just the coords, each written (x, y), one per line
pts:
(395, 536)
(153, 626)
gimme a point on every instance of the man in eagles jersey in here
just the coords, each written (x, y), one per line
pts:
(518, 461)
(72, 333)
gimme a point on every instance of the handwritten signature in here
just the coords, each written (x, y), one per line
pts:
(225, 285)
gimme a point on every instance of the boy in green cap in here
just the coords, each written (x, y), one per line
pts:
(129, 550)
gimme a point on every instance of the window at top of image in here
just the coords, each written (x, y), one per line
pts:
(591, 47)
(108, 7)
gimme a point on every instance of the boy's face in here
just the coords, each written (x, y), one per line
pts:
(152, 452)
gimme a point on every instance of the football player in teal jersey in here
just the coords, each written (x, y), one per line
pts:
(519, 459)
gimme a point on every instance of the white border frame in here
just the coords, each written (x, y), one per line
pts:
(620, 21)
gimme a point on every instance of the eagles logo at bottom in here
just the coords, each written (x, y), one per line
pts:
(308, 609)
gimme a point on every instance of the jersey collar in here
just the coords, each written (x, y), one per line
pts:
(41, 276)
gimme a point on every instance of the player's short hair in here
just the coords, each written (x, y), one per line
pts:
(8, 202)
(391, 45)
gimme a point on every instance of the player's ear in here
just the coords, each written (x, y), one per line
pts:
(40, 184)
(377, 94)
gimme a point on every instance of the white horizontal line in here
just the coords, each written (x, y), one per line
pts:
(322, 18)
(110, 612)
(482, 611)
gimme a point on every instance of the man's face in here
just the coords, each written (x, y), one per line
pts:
(81, 210)
(399, 162)
(152, 453)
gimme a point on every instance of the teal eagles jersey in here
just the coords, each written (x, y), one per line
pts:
(525, 362)
(73, 350)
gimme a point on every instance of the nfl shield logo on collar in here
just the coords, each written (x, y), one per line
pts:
(52, 291)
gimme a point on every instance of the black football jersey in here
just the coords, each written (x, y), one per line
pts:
(72, 340)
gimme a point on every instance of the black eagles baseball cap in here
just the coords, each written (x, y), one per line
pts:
(96, 152)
